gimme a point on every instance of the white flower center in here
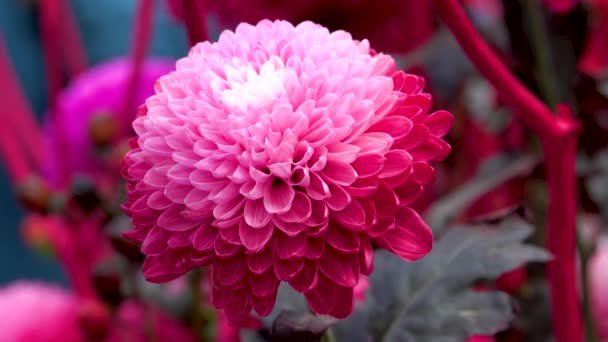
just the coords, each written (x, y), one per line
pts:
(250, 88)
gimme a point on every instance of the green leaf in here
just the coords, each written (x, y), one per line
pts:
(432, 299)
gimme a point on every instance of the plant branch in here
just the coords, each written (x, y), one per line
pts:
(558, 135)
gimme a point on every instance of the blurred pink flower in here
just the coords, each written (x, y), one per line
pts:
(98, 90)
(598, 287)
(594, 61)
(481, 339)
(280, 154)
(35, 312)
(138, 322)
(390, 25)
(361, 288)
(560, 6)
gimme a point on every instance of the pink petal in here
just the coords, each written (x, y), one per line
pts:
(307, 278)
(374, 142)
(158, 201)
(255, 214)
(315, 246)
(320, 213)
(261, 261)
(385, 200)
(181, 239)
(408, 191)
(369, 164)
(264, 284)
(289, 228)
(366, 256)
(323, 297)
(397, 161)
(231, 234)
(342, 239)
(423, 173)
(227, 210)
(381, 227)
(300, 209)
(263, 305)
(229, 273)
(225, 250)
(341, 268)
(353, 216)
(411, 239)
(221, 298)
(238, 308)
(287, 246)
(427, 150)
(338, 199)
(346, 153)
(156, 241)
(157, 271)
(172, 220)
(254, 239)
(287, 269)
(344, 303)
(278, 197)
(363, 187)
(318, 189)
(395, 125)
(339, 172)
(439, 123)
(417, 135)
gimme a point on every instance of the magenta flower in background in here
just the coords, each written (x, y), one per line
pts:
(277, 154)
(594, 61)
(100, 89)
(598, 288)
(390, 25)
(560, 6)
(32, 312)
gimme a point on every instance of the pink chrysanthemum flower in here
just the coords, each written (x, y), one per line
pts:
(32, 312)
(281, 153)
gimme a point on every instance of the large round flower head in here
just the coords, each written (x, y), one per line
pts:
(281, 153)
(32, 312)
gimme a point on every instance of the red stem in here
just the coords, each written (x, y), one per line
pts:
(558, 135)
(21, 139)
(140, 43)
(195, 17)
(75, 53)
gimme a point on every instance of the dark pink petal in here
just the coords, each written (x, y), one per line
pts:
(399, 179)
(238, 308)
(314, 247)
(158, 201)
(306, 279)
(366, 256)
(417, 135)
(363, 187)
(278, 197)
(396, 126)
(227, 210)
(285, 269)
(382, 226)
(229, 273)
(201, 259)
(263, 305)
(411, 239)
(323, 297)
(177, 192)
(427, 150)
(254, 239)
(261, 261)
(423, 173)
(397, 161)
(255, 214)
(288, 246)
(370, 212)
(300, 209)
(181, 239)
(341, 268)
(342, 239)
(385, 200)
(263, 284)
(172, 220)
(320, 213)
(352, 217)
(439, 123)
(423, 101)
(345, 302)
(445, 148)
(338, 198)
(157, 271)
(289, 228)
(408, 191)
(231, 234)
(220, 298)
(368, 165)
(156, 241)
(318, 189)
(225, 250)
(339, 172)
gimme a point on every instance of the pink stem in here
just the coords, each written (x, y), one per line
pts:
(75, 53)
(50, 23)
(196, 20)
(558, 136)
(21, 139)
(141, 40)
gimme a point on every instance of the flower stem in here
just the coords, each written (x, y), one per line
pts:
(558, 135)
(585, 252)
(141, 40)
(195, 17)
(197, 298)
(75, 53)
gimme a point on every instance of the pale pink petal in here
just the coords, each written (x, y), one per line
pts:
(278, 197)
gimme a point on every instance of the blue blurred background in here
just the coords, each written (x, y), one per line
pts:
(106, 28)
